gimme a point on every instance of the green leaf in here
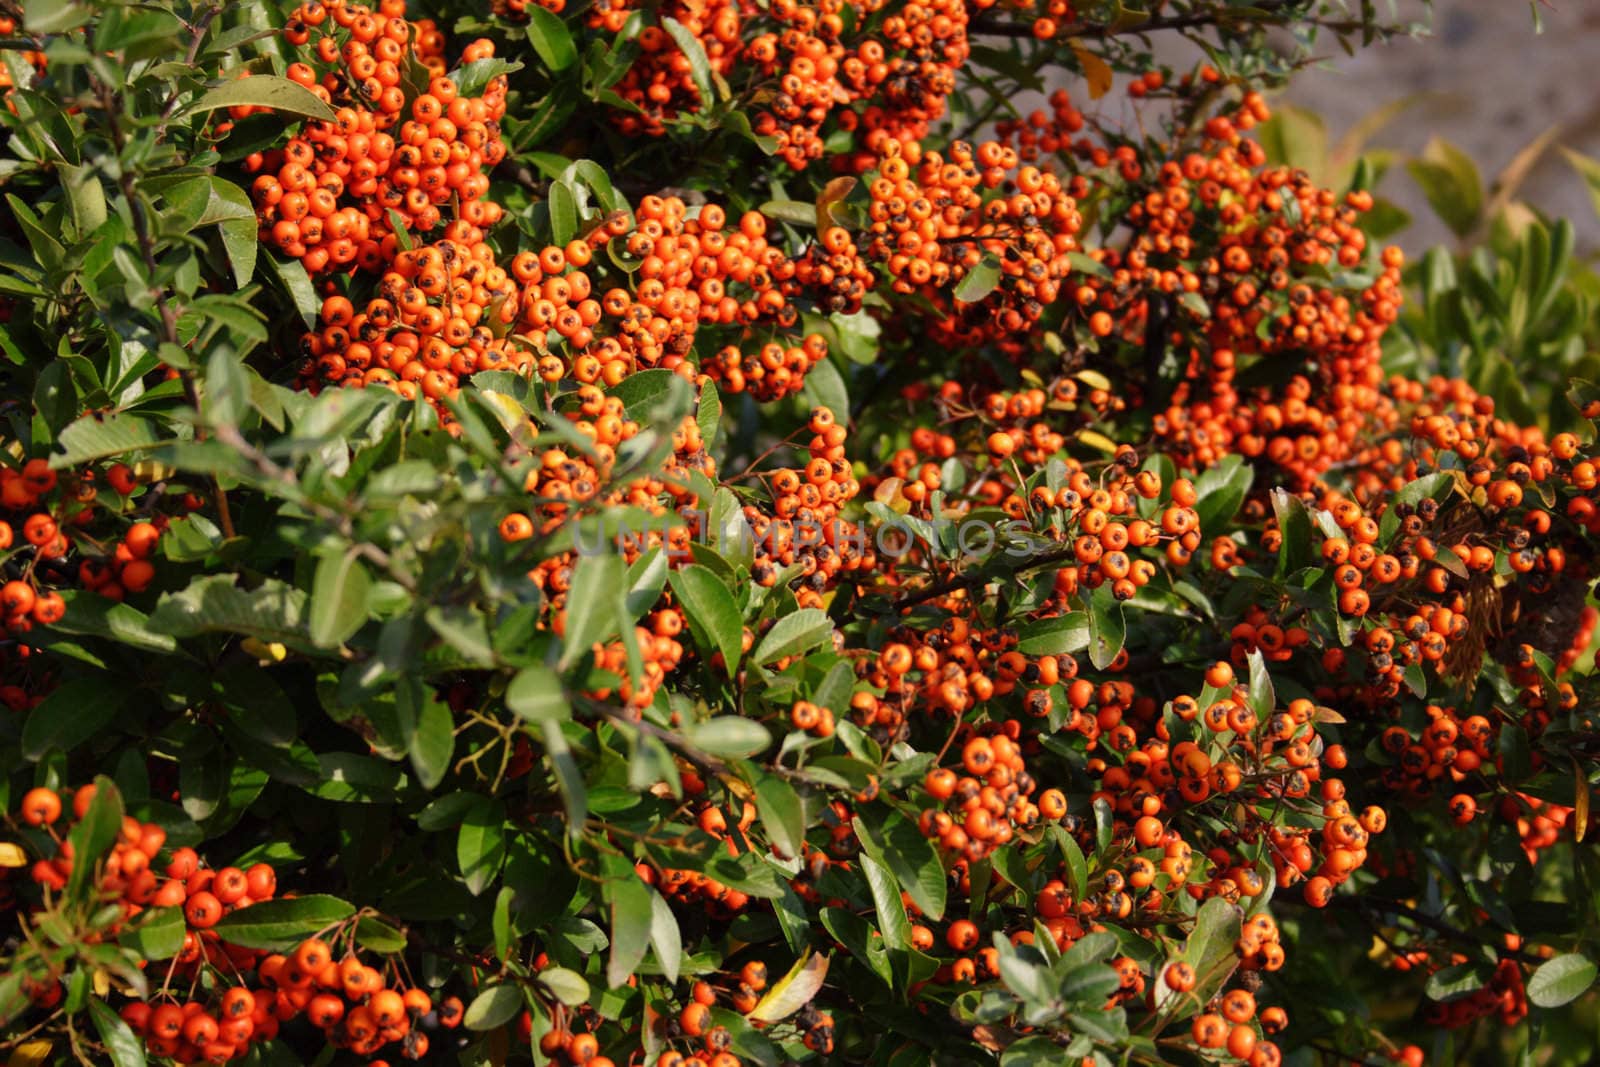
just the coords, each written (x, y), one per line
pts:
(709, 413)
(339, 595)
(730, 736)
(379, 936)
(535, 694)
(46, 248)
(694, 51)
(73, 712)
(1294, 523)
(644, 392)
(1220, 491)
(569, 987)
(85, 196)
(1051, 637)
(1209, 951)
(569, 779)
(158, 934)
(481, 844)
(273, 611)
(793, 634)
(428, 731)
(97, 436)
(493, 1008)
(1086, 263)
(93, 834)
(1108, 629)
(1034, 1051)
(563, 208)
(54, 16)
(1516, 760)
(1296, 137)
(281, 924)
(782, 814)
(896, 842)
(793, 212)
(473, 78)
(126, 1050)
(227, 389)
(712, 612)
(262, 90)
(599, 584)
(1077, 862)
(980, 281)
(1450, 181)
(1089, 983)
(1449, 983)
(240, 234)
(892, 921)
(291, 274)
(1262, 696)
(550, 38)
(1561, 980)
(665, 937)
(631, 915)
(1589, 170)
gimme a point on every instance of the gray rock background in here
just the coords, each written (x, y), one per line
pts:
(1488, 84)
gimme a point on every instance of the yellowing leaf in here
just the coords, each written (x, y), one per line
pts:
(1580, 801)
(102, 983)
(1095, 70)
(506, 409)
(11, 855)
(1094, 439)
(794, 990)
(30, 1054)
(831, 194)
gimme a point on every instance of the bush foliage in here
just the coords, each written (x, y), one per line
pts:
(714, 533)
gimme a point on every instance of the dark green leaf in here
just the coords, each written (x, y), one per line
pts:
(126, 1050)
(73, 712)
(283, 923)
(97, 436)
(93, 834)
(793, 634)
(158, 935)
(550, 38)
(631, 915)
(712, 612)
(899, 845)
(1051, 637)
(481, 844)
(694, 51)
(1108, 630)
(892, 921)
(262, 90)
(782, 814)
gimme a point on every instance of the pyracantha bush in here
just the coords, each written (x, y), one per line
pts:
(700, 534)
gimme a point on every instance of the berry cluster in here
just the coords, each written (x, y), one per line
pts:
(330, 196)
(354, 1003)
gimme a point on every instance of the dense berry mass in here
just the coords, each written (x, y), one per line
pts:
(698, 534)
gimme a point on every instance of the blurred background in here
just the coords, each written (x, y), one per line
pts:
(1486, 83)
